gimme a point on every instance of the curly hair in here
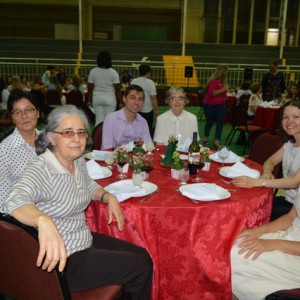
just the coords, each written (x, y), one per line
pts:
(104, 60)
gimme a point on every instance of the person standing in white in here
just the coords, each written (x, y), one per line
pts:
(104, 88)
(149, 110)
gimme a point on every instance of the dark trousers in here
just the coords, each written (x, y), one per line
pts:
(149, 118)
(280, 207)
(111, 261)
(214, 113)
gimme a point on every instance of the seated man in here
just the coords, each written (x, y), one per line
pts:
(176, 121)
(125, 125)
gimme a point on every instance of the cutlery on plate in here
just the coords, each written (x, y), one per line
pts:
(178, 191)
(147, 196)
(225, 181)
(229, 190)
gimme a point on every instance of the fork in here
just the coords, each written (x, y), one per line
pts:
(149, 195)
(178, 191)
(225, 181)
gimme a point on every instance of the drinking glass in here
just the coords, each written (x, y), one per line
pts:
(137, 178)
(148, 165)
(184, 176)
(121, 161)
(223, 153)
(109, 160)
(198, 165)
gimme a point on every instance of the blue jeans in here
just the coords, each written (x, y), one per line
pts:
(214, 113)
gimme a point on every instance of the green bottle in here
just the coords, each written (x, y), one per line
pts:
(194, 155)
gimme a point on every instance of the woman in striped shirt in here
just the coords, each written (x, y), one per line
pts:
(52, 195)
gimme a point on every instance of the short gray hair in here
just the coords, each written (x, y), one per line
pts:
(175, 89)
(53, 121)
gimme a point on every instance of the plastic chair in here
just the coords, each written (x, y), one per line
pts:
(244, 101)
(239, 121)
(6, 125)
(97, 136)
(285, 295)
(53, 98)
(21, 279)
(76, 98)
(263, 147)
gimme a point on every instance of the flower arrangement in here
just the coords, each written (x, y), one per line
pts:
(137, 161)
(121, 154)
(138, 146)
(205, 152)
(177, 163)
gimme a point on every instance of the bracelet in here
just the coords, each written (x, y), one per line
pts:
(102, 196)
(263, 183)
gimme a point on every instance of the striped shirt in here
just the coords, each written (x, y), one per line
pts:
(46, 184)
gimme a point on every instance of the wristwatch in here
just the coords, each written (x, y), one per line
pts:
(263, 183)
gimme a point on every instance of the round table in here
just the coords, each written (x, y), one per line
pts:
(189, 243)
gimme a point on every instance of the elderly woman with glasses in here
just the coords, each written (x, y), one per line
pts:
(176, 121)
(17, 149)
(52, 195)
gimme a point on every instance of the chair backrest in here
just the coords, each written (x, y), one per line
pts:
(40, 98)
(53, 98)
(244, 101)
(75, 97)
(239, 115)
(263, 147)
(97, 136)
(20, 278)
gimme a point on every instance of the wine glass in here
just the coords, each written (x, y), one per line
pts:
(149, 147)
(109, 160)
(148, 165)
(223, 153)
(198, 165)
(121, 161)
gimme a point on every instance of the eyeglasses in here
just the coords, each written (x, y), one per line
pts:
(27, 111)
(70, 134)
(177, 99)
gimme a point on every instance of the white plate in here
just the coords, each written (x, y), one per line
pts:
(106, 173)
(99, 155)
(221, 193)
(148, 187)
(224, 171)
(226, 161)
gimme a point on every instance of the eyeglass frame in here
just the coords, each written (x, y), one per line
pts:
(177, 99)
(28, 111)
(69, 134)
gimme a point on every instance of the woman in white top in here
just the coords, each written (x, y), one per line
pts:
(176, 121)
(104, 88)
(266, 259)
(255, 99)
(289, 156)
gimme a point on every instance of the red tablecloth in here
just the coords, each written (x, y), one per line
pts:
(267, 117)
(189, 243)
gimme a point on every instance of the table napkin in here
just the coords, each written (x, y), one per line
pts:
(202, 192)
(125, 168)
(99, 155)
(269, 103)
(125, 191)
(185, 146)
(240, 169)
(232, 157)
(94, 170)
(167, 160)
